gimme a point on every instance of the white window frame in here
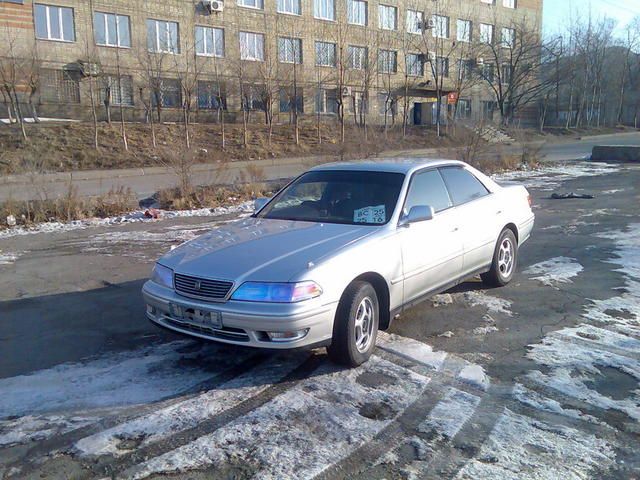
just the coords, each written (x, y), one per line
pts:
(414, 21)
(208, 50)
(361, 57)
(289, 7)
(509, 3)
(354, 13)
(118, 42)
(418, 62)
(324, 10)
(488, 2)
(384, 14)
(165, 24)
(321, 100)
(252, 50)
(60, 22)
(322, 44)
(467, 26)
(388, 56)
(484, 31)
(508, 37)
(292, 52)
(117, 88)
(440, 26)
(254, 4)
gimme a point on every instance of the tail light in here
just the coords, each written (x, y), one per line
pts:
(530, 200)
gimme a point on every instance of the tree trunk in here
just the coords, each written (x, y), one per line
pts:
(19, 115)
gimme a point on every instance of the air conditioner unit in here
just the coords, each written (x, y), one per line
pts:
(346, 91)
(89, 69)
(430, 24)
(213, 5)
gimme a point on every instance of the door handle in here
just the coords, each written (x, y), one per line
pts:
(454, 230)
(499, 212)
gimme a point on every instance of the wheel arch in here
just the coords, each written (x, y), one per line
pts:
(381, 287)
(514, 229)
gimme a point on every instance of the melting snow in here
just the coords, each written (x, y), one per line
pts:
(140, 376)
(521, 448)
(451, 413)
(34, 429)
(299, 433)
(537, 401)
(416, 351)
(8, 258)
(555, 271)
(492, 304)
(474, 375)
(550, 177)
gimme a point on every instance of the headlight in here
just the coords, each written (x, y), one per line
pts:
(277, 292)
(162, 275)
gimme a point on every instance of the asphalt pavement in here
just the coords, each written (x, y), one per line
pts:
(539, 379)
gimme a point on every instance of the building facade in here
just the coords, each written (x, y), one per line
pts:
(382, 59)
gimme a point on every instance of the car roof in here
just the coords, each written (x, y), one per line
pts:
(396, 165)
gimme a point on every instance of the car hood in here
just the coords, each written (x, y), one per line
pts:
(261, 249)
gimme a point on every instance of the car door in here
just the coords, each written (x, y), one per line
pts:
(478, 217)
(431, 249)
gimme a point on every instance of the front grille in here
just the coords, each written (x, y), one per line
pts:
(226, 333)
(212, 289)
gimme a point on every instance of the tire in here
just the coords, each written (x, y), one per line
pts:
(352, 344)
(505, 260)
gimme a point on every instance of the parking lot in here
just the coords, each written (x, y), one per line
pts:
(539, 379)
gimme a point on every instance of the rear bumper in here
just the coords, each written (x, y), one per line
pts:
(243, 323)
(525, 228)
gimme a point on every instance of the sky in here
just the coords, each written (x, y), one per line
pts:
(556, 12)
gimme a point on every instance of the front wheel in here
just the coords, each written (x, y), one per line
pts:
(505, 259)
(356, 325)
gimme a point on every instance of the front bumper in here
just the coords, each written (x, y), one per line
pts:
(244, 323)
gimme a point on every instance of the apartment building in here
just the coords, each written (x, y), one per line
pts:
(379, 57)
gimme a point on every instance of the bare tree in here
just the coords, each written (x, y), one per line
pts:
(13, 65)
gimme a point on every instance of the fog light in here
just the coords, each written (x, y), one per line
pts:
(287, 336)
(151, 310)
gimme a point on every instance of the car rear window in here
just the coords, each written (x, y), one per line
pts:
(463, 186)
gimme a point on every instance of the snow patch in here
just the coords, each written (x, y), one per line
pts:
(492, 304)
(35, 429)
(451, 413)
(474, 375)
(137, 216)
(548, 178)
(520, 448)
(181, 416)
(303, 431)
(9, 258)
(555, 271)
(139, 376)
(413, 349)
(539, 402)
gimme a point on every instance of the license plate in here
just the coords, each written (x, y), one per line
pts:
(204, 318)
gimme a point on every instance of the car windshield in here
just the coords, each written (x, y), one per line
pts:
(338, 196)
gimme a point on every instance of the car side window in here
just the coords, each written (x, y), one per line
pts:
(463, 186)
(427, 188)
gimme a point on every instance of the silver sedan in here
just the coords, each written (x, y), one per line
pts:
(339, 253)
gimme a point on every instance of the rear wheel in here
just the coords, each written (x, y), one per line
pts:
(356, 325)
(505, 260)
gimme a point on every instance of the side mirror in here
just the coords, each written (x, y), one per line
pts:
(258, 203)
(418, 213)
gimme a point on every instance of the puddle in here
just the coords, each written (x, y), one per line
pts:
(613, 383)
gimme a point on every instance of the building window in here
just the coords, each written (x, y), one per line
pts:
(463, 108)
(324, 9)
(252, 97)
(357, 57)
(166, 91)
(54, 23)
(465, 69)
(112, 30)
(388, 17)
(415, 21)
(357, 12)
(258, 4)
(162, 37)
(359, 103)
(488, 72)
(509, 3)
(415, 66)
(442, 67)
(211, 96)
(463, 28)
(57, 86)
(209, 41)
(508, 37)
(117, 92)
(488, 2)
(326, 101)
(252, 46)
(506, 73)
(486, 33)
(325, 54)
(291, 100)
(292, 7)
(387, 105)
(290, 50)
(440, 26)
(387, 61)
